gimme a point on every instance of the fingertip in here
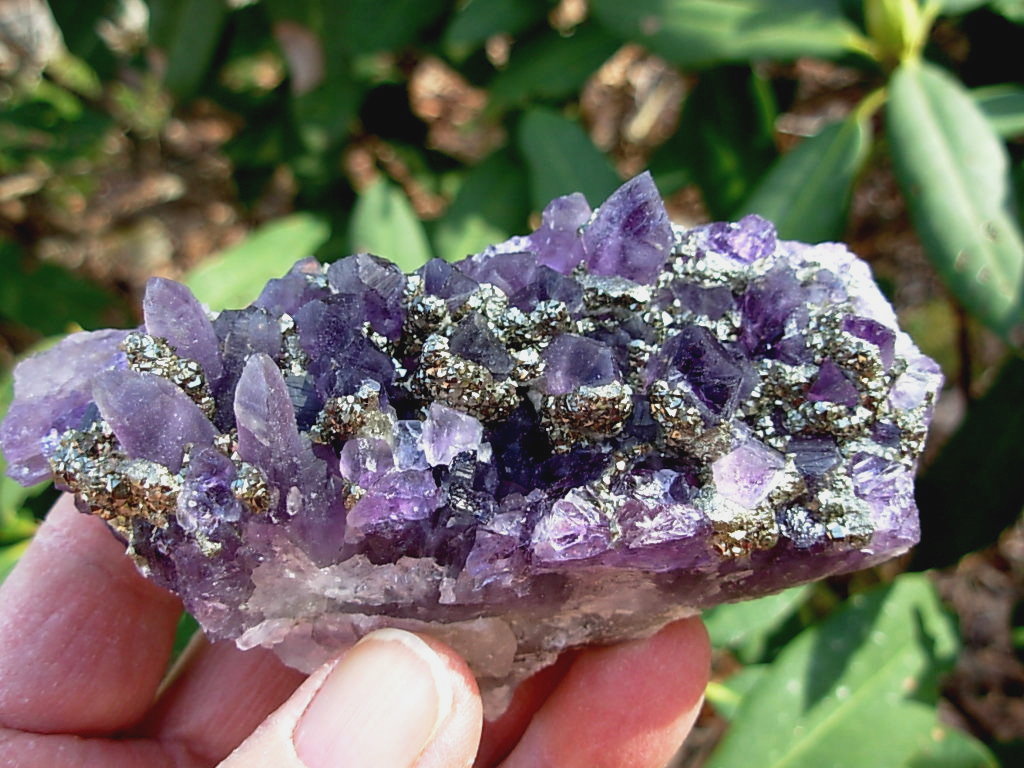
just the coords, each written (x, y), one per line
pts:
(458, 739)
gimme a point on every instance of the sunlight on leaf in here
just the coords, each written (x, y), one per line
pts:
(562, 159)
(807, 193)
(384, 223)
(954, 174)
(700, 33)
(235, 277)
(871, 668)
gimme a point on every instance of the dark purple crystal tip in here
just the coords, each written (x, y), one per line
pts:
(575, 436)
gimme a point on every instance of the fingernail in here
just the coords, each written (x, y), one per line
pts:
(380, 706)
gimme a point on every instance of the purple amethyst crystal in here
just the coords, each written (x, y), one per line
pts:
(447, 433)
(150, 417)
(53, 394)
(748, 240)
(574, 436)
(572, 361)
(833, 386)
(557, 242)
(173, 313)
(630, 235)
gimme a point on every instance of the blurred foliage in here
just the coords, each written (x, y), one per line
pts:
(954, 171)
(383, 221)
(414, 128)
(973, 488)
(807, 192)
(828, 685)
(234, 278)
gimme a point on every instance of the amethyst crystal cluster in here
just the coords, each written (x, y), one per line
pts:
(574, 436)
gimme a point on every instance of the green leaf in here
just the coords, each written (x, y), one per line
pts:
(39, 126)
(492, 203)
(17, 523)
(368, 26)
(77, 21)
(856, 690)
(188, 31)
(478, 20)
(324, 115)
(732, 624)
(1013, 10)
(949, 748)
(6, 393)
(63, 101)
(1017, 184)
(724, 140)
(953, 170)
(76, 75)
(16, 520)
(974, 488)
(952, 7)
(727, 696)
(48, 299)
(235, 277)
(183, 634)
(561, 159)
(9, 557)
(934, 326)
(385, 224)
(142, 106)
(701, 33)
(551, 66)
(807, 193)
(325, 111)
(1003, 105)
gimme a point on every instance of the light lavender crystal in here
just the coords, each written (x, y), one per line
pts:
(572, 437)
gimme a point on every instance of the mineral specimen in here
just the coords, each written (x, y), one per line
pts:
(572, 437)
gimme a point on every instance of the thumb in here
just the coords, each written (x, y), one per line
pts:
(394, 700)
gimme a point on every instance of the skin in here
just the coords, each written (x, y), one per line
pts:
(85, 641)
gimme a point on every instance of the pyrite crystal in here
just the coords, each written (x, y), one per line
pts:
(572, 437)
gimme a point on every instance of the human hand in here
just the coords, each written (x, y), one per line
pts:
(84, 644)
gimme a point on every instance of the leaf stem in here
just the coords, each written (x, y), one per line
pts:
(871, 104)
(721, 696)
